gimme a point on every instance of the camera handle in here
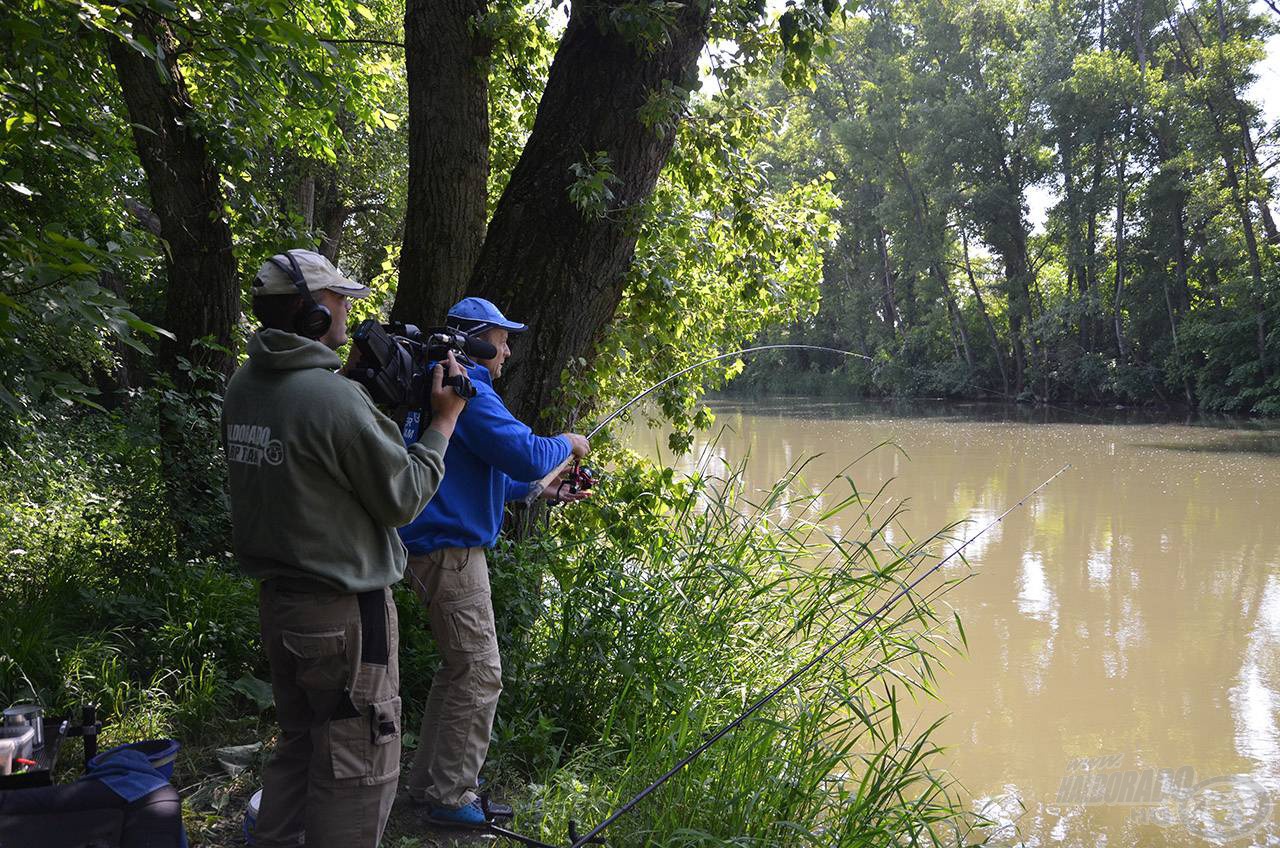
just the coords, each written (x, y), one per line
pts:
(414, 420)
(461, 385)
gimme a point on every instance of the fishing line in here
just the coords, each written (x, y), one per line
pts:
(708, 361)
(849, 353)
(592, 836)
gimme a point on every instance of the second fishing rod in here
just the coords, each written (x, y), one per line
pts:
(593, 836)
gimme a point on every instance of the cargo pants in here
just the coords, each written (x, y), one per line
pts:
(453, 584)
(336, 680)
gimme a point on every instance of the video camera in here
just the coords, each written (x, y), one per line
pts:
(395, 366)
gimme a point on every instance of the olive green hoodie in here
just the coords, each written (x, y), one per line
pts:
(319, 478)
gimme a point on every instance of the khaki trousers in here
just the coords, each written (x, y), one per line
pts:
(453, 583)
(336, 680)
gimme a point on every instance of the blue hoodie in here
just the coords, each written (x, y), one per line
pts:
(492, 458)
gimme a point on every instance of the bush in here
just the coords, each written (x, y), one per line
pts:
(110, 606)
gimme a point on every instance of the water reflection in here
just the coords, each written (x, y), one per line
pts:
(1132, 610)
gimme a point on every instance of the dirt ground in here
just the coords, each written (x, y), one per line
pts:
(406, 829)
(214, 801)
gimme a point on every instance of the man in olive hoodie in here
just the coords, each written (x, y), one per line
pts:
(319, 480)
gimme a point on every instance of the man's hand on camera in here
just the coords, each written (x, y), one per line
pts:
(353, 361)
(446, 404)
(581, 447)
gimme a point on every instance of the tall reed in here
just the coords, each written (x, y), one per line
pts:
(679, 602)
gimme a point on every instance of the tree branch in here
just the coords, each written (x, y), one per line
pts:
(147, 219)
(399, 44)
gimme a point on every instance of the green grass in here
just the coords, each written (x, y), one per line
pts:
(637, 624)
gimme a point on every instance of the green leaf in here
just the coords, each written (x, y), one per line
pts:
(258, 691)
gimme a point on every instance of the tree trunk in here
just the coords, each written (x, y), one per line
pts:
(982, 310)
(1257, 292)
(329, 212)
(1252, 168)
(1005, 231)
(203, 299)
(953, 310)
(886, 279)
(1122, 198)
(1015, 272)
(1179, 302)
(548, 261)
(306, 198)
(448, 74)
(1076, 270)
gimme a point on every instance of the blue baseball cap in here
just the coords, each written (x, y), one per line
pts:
(484, 314)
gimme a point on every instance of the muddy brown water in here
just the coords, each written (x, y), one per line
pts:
(1122, 685)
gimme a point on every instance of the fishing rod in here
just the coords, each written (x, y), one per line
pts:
(577, 478)
(571, 474)
(708, 361)
(759, 348)
(577, 840)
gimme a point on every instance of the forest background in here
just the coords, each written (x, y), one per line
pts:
(647, 183)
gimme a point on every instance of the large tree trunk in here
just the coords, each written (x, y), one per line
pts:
(448, 75)
(1076, 267)
(1255, 172)
(547, 261)
(203, 300)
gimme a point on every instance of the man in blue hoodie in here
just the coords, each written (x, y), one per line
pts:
(491, 459)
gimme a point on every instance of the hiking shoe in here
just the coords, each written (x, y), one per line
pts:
(468, 815)
(495, 809)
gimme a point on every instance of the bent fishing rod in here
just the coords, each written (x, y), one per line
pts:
(577, 840)
(790, 346)
(572, 464)
(708, 361)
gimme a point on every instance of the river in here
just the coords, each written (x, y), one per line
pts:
(1122, 683)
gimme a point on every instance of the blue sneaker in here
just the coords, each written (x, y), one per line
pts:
(469, 815)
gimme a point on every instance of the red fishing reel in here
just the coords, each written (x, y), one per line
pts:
(577, 479)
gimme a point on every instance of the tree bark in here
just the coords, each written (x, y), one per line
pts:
(203, 299)
(545, 260)
(447, 63)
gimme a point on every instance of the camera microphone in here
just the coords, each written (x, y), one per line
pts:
(478, 348)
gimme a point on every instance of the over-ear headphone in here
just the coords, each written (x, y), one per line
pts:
(312, 320)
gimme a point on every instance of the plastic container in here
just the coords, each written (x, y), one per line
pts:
(15, 742)
(159, 752)
(251, 816)
(27, 714)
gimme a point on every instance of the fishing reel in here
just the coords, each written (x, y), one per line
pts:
(577, 478)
